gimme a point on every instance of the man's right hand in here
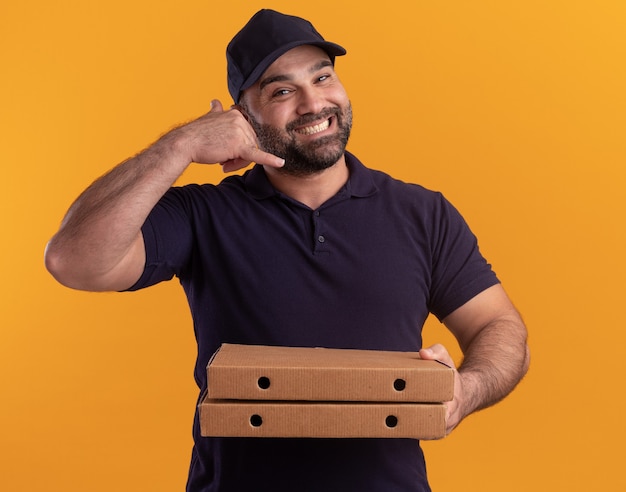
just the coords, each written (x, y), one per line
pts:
(223, 137)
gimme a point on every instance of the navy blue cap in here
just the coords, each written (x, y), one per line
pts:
(267, 36)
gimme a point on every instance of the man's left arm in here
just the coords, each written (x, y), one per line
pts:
(493, 339)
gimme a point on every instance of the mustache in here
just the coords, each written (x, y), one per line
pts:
(312, 118)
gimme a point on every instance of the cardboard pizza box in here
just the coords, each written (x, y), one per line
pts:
(255, 372)
(241, 418)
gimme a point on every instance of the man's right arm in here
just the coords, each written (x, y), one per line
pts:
(99, 245)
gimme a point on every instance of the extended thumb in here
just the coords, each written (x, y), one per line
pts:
(216, 106)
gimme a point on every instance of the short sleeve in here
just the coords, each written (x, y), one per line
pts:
(168, 239)
(459, 271)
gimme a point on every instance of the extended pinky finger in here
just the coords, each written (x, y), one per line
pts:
(265, 158)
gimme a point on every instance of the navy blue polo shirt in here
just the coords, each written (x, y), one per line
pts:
(362, 271)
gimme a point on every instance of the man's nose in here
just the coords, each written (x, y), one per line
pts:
(310, 101)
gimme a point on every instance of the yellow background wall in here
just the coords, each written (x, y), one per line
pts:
(516, 110)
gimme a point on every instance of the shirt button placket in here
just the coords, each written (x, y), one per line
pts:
(320, 239)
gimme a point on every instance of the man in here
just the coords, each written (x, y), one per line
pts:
(308, 248)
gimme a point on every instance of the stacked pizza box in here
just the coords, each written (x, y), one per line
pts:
(267, 391)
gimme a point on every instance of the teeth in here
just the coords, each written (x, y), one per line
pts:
(310, 130)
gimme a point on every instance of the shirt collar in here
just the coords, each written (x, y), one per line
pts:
(360, 183)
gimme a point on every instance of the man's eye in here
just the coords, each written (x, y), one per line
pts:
(281, 92)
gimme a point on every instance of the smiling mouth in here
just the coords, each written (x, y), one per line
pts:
(312, 130)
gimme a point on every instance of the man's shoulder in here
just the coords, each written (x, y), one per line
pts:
(230, 185)
(202, 200)
(392, 187)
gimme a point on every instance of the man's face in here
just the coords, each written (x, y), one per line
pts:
(300, 111)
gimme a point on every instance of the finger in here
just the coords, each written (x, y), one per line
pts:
(216, 106)
(254, 154)
(437, 352)
(232, 165)
(433, 351)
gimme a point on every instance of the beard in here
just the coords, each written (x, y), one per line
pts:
(304, 159)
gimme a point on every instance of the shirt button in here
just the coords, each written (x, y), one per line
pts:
(321, 239)
(317, 213)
